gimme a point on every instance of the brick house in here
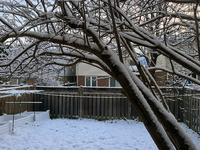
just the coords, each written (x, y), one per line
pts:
(88, 75)
(164, 79)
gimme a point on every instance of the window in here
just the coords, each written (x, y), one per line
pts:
(194, 76)
(91, 81)
(114, 83)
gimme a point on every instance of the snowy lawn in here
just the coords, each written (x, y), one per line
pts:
(84, 134)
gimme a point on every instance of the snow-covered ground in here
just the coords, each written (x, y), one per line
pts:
(82, 134)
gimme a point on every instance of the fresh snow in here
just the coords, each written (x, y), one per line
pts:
(81, 134)
(20, 91)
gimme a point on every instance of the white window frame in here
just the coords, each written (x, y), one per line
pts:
(90, 81)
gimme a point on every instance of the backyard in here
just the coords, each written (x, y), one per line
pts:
(45, 41)
(67, 134)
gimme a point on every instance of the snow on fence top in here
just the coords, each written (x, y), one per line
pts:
(18, 90)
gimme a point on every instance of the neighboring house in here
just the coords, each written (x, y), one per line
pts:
(88, 75)
(22, 81)
(188, 46)
(164, 79)
(78, 75)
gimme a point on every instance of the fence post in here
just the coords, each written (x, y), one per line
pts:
(80, 94)
(1, 107)
(129, 110)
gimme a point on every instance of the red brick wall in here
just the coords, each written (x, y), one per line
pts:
(81, 80)
(103, 81)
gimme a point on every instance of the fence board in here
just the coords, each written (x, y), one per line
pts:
(60, 106)
(190, 114)
(68, 108)
(24, 106)
(110, 107)
(94, 107)
(11, 105)
(26, 100)
(98, 106)
(81, 106)
(85, 107)
(16, 106)
(122, 107)
(193, 115)
(53, 106)
(72, 106)
(45, 102)
(114, 108)
(118, 108)
(126, 109)
(30, 98)
(63, 106)
(90, 107)
(176, 107)
(56, 106)
(7, 107)
(102, 108)
(129, 110)
(75, 107)
(36, 98)
(1, 106)
(49, 103)
(106, 101)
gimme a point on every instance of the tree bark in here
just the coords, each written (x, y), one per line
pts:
(147, 107)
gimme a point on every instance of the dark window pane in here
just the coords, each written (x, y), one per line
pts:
(94, 82)
(112, 82)
(87, 81)
(194, 75)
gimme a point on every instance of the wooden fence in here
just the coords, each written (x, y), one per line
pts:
(10, 108)
(186, 109)
(17, 107)
(189, 109)
(96, 106)
(104, 106)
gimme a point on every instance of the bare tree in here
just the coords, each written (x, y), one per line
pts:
(104, 34)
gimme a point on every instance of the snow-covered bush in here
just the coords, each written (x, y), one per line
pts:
(45, 81)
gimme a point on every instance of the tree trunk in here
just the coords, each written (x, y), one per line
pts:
(154, 116)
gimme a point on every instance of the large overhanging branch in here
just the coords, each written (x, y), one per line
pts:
(186, 61)
(63, 64)
(14, 59)
(81, 57)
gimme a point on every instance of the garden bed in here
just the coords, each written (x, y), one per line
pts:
(6, 121)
